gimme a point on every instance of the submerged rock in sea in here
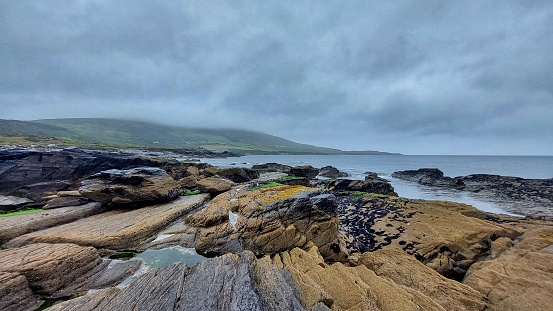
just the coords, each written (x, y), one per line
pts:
(127, 187)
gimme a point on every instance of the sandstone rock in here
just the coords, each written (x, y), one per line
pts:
(405, 270)
(331, 172)
(12, 203)
(133, 186)
(116, 229)
(49, 267)
(304, 171)
(437, 233)
(347, 288)
(65, 201)
(271, 167)
(378, 185)
(214, 185)
(14, 226)
(192, 171)
(521, 277)
(238, 174)
(188, 182)
(15, 293)
(210, 171)
(269, 220)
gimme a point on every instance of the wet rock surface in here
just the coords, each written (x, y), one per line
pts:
(372, 185)
(532, 196)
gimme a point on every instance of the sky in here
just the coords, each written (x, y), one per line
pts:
(414, 77)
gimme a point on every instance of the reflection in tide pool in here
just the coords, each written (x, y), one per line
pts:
(158, 258)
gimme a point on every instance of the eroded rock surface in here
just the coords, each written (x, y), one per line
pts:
(116, 229)
(136, 186)
(14, 226)
(521, 277)
(15, 294)
(214, 185)
(269, 220)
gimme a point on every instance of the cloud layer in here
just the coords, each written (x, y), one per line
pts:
(424, 77)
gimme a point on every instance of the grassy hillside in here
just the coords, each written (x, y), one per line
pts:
(123, 133)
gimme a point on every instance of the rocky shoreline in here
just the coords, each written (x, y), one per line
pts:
(532, 197)
(274, 237)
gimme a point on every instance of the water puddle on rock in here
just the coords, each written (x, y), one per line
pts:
(159, 258)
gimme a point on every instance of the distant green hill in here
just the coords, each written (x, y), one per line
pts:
(124, 133)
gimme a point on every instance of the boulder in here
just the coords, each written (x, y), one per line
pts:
(188, 182)
(304, 171)
(210, 171)
(271, 167)
(214, 185)
(116, 229)
(135, 186)
(378, 185)
(13, 203)
(238, 174)
(332, 172)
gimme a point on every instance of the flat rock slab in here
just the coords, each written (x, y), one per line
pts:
(49, 267)
(14, 226)
(117, 229)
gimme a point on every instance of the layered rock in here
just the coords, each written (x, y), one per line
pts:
(134, 186)
(12, 203)
(448, 237)
(404, 269)
(49, 267)
(14, 226)
(116, 229)
(268, 220)
(15, 293)
(520, 277)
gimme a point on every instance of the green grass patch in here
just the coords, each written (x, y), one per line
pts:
(22, 212)
(190, 192)
(358, 195)
(268, 185)
(290, 177)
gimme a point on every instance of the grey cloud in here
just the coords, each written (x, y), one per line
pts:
(399, 76)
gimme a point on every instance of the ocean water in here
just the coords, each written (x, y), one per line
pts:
(384, 165)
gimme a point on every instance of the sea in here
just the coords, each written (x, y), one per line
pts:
(539, 167)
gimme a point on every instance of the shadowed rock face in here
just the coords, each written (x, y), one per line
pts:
(135, 186)
(238, 174)
(331, 172)
(271, 167)
(304, 171)
(372, 185)
(15, 293)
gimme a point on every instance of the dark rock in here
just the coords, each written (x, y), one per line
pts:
(304, 171)
(331, 172)
(12, 203)
(238, 174)
(272, 167)
(133, 186)
(379, 186)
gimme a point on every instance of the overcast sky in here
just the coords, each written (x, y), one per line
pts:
(416, 77)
